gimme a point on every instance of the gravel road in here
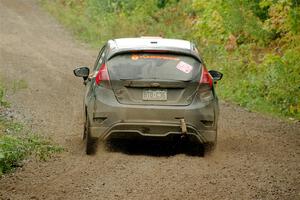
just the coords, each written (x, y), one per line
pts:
(258, 157)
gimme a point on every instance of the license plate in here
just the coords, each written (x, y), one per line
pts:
(155, 94)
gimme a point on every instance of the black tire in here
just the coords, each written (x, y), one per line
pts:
(90, 142)
(209, 148)
(85, 128)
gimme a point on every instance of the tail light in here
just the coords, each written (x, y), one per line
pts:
(205, 85)
(102, 78)
(206, 77)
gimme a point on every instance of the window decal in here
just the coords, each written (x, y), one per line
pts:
(136, 57)
(184, 67)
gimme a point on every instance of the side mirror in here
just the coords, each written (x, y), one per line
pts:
(215, 75)
(82, 72)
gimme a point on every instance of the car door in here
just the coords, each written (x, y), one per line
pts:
(90, 82)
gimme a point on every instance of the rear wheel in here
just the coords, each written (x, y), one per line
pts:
(90, 142)
(210, 147)
(85, 128)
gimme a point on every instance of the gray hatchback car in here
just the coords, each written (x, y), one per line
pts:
(149, 87)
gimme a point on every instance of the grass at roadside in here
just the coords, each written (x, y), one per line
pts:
(19, 85)
(3, 101)
(18, 143)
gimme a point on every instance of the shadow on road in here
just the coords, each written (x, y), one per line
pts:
(154, 147)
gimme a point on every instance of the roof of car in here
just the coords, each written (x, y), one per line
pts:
(152, 44)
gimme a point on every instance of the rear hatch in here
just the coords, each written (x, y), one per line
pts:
(154, 78)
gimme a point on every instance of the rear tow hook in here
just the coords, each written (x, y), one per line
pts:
(183, 128)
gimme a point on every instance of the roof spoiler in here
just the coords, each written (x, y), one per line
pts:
(151, 37)
(179, 52)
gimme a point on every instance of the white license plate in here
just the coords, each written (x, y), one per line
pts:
(155, 94)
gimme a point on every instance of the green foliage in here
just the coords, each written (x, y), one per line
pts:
(19, 85)
(255, 43)
(10, 126)
(3, 102)
(14, 149)
(269, 86)
(17, 143)
(96, 21)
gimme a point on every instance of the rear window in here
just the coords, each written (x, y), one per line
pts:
(153, 66)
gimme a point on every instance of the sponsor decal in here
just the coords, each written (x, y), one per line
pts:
(136, 57)
(184, 67)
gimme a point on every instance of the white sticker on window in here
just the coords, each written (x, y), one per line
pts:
(184, 67)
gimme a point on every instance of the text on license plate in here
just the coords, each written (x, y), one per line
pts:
(155, 94)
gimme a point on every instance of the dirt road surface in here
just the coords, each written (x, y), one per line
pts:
(257, 156)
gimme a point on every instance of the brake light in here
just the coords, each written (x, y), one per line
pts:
(102, 75)
(206, 77)
(205, 85)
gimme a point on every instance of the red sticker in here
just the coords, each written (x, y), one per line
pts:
(184, 67)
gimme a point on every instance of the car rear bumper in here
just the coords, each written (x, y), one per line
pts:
(110, 119)
(151, 130)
